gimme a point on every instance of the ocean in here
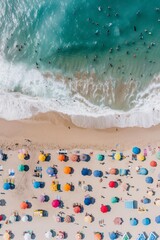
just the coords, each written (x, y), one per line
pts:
(95, 60)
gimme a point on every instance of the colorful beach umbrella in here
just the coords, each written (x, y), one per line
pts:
(104, 208)
(24, 218)
(42, 157)
(157, 201)
(6, 186)
(157, 219)
(118, 221)
(117, 156)
(74, 157)
(97, 236)
(23, 205)
(67, 170)
(48, 235)
(140, 157)
(61, 235)
(21, 167)
(112, 184)
(6, 236)
(146, 221)
(42, 198)
(12, 218)
(88, 218)
(113, 235)
(51, 171)
(88, 201)
(146, 200)
(158, 155)
(21, 156)
(56, 203)
(36, 184)
(84, 157)
(133, 221)
(61, 157)
(153, 164)
(136, 150)
(78, 236)
(67, 187)
(27, 236)
(100, 157)
(149, 180)
(113, 171)
(114, 200)
(97, 173)
(143, 171)
(85, 171)
(77, 209)
(67, 219)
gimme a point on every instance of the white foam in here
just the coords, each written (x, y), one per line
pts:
(42, 94)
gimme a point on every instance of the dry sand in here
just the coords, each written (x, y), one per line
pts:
(51, 132)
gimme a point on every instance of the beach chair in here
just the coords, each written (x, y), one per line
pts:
(125, 237)
(141, 236)
(152, 236)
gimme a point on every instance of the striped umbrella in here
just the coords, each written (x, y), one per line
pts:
(67, 219)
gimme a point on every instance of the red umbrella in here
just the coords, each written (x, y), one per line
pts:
(55, 203)
(104, 208)
(153, 164)
(77, 209)
(112, 184)
(74, 157)
(1, 217)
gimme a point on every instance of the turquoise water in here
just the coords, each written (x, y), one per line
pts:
(107, 52)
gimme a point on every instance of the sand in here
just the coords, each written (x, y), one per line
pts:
(51, 132)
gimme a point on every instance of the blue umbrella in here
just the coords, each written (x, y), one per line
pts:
(113, 236)
(146, 200)
(133, 221)
(36, 184)
(136, 150)
(143, 171)
(157, 219)
(85, 171)
(149, 180)
(6, 186)
(51, 171)
(97, 173)
(87, 201)
(146, 221)
(158, 154)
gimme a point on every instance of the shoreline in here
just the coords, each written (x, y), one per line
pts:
(53, 130)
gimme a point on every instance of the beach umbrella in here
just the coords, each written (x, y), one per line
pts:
(36, 184)
(136, 150)
(143, 171)
(78, 236)
(51, 171)
(12, 218)
(1, 155)
(157, 219)
(56, 203)
(84, 157)
(87, 201)
(112, 184)
(6, 186)
(117, 156)
(48, 235)
(158, 155)
(20, 167)
(6, 236)
(61, 235)
(77, 209)
(114, 200)
(118, 221)
(157, 202)
(150, 193)
(97, 236)
(97, 173)
(23, 205)
(88, 218)
(1, 217)
(125, 186)
(146, 221)
(85, 171)
(42, 198)
(24, 218)
(67, 187)
(61, 157)
(27, 236)
(133, 221)
(140, 157)
(104, 208)
(42, 157)
(67, 219)
(149, 180)
(100, 157)
(58, 218)
(153, 164)
(113, 235)
(74, 157)
(146, 200)
(67, 170)
(21, 156)
(113, 171)
(85, 187)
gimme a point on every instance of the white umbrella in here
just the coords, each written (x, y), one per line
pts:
(25, 218)
(48, 235)
(12, 218)
(27, 236)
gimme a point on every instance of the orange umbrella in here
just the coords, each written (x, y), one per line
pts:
(6, 235)
(77, 209)
(67, 170)
(97, 236)
(153, 164)
(61, 157)
(24, 205)
(74, 158)
(113, 171)
(67, 187)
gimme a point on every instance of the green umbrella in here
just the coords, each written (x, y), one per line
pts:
(100, 157)
(21, 167)
(158, 155)
(114, 199)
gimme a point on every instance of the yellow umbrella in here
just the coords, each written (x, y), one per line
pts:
(54, 187)
(41, 157)
(67, 187)
(6, 236)
(88, 219)
(21, 156)
(140, 157)
(117, 156)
